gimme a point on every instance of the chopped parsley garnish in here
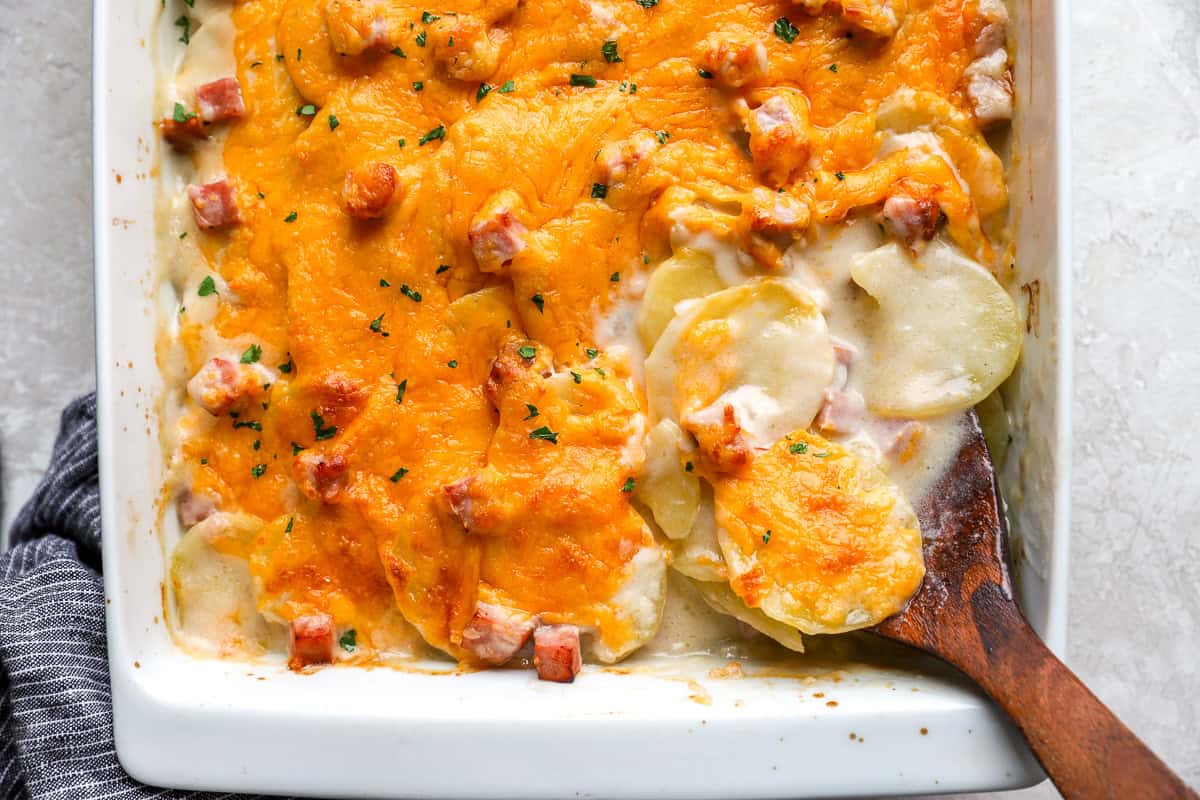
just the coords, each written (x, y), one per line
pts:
(401, 388)
(398, 474)
(437, 133)
(383, 282)
(482, 92)
(257, 470)
(616, 276)
(833, 68)
(182, 114)
(785, 30)
(427, 18)
(320, 429)
(396, 51)
(207, 286)
(703, 73)
(252, 354)
(575, 376)
(306, 110)
(297, 448)
(185, 26)
(799, 448)
(348, 640)
(286, 368)
(402, 143)
(299, 54)
(418, 86)
(291, 522)
(609, 49)
(662, 136)
(647, 3)
(377, 325)
(820, 455)
(540, 302)
(409, 293)
(592, 352)
(203, 461)
(252, 425)
(257, 444)
(545, 434)
(290, 218)
(333, 122)
(841, 176)
(600, 372)
(582, 80)
(629, 484)
(766, 537)
(599, 191)
(527, 351)
(452, 363)
(533, 412)
(421, 39)
(508, 86)
(688, 467)
(442, 268)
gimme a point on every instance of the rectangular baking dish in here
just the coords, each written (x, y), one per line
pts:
(673, 731)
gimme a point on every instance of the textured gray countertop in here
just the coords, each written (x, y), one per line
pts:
(1135, 553)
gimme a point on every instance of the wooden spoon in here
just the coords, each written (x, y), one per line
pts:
(965, 614)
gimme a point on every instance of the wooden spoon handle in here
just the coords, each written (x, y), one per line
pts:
(1084, 748)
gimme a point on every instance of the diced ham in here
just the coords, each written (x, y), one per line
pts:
(876, 17)
(321, 476)
(213, 205)
(989, 88)
(368, 189)
(193, 507)
(556, 653)
(310, 641)
(220, 100)
(458, 495)
(616, 159)
(987, 30)
(221, 384)
(357, 26)
(780, 143)
(843, 357)
(735, 62)
(496, 235)
(911, 219)
(842, 413)
(467, 48)
(495, 634)
(903, 440)
(771, 212)
(183, 135)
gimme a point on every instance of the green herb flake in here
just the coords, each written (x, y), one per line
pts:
(545, 434)
(785, 30)
(348, 640)
(766, 537)
(820, 455)
(437, 133)
(286, 368)
(533, 411)
(841, 176)
(833, 68)
(452, 363)
(181, 114)
(401, 388)
(509, 86)
(252, 354)
(540, 302)
(297, 448)
(203, 462)
(292, 217)
(592, 352)
(253, 425)
(396, 51)
(409, 293)
(575, 376)
(185, 26)
(291, 522)
(333, 122)
(629, 484)
(257, 444)
(320, 429)
(662, 136)
(383, 282)
(647, 3)
(600, 372)
(689, 467)
(615, 277)
(418, 86)
(377, 325)
(482, 92)
(599, 191)
(427, 18)
(527, 351)
(609, 50)
(398, 474)
(402, 143)
(421, 39)
(442, 268)
(207, 286)
(799, 448)
(257, 470)
(582, 80)
(306, 110)
(703, 73)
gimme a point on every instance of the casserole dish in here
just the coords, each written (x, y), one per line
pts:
(196, 723)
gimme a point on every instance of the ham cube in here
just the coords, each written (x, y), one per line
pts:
(193, 507)
(556, 653)
(321, 477)
(220, 385)
(495, 634)
(220, 100)
(310, 641)
(213, 205)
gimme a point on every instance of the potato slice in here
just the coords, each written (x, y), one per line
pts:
(759, 352)
(720, 598)
(818, 538)
(698, 555)
(687, 275)
(667, 487)
(945, 334)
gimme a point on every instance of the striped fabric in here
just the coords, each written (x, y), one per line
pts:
(56, 738)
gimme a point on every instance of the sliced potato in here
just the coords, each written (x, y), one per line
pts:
(945, 333)
(759, 351)
(667, 487)
(818, 538)
(687, 275)
(698, 555)
(993, 418)
(721, 598)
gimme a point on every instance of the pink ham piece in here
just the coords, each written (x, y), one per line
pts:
(556, 653)
(458, 494)
(213, 205)
(216, 387)
(495, 634)
(310, 641)
(321, 476)
(220, 100)
(496, 235)
(843, 412)
(193, 508)
(911, 219)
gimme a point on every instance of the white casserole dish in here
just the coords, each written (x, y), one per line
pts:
(226, 726)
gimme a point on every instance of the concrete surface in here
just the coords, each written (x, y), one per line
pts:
(1135, 602)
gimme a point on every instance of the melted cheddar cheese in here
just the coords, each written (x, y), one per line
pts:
(427, 398)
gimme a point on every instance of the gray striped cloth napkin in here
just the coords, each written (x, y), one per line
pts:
(56, 737)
